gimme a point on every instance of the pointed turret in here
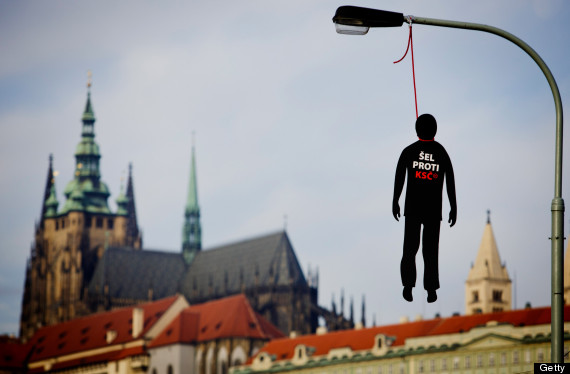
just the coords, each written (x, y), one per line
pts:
(192, 231)
(488, 286)
(133, 233)
(48, 190)
(51, 203)
(122, 202)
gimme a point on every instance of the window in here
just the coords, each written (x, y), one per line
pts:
(503, 358)
(169, 370)
(497, 296)
(455, 363)
(475, 296)
(402, 368)
(432, 366)
(540, 355)
(421, 366)
(467, 362)
(110, 224)
(390, 369)
(479, 361)
(99, 222)
(516, 357)
(444, 364)
(491, 359)
(379, 369)
(527, 356)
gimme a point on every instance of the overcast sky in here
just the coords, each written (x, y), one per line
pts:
(291, 119)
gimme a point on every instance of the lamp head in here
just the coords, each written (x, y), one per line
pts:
(355, 20)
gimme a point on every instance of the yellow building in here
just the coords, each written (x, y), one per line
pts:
(492, 343)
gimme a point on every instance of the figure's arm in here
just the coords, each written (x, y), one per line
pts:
(398, 186)
(450, 187)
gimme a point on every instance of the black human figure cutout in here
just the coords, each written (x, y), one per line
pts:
(427, 165)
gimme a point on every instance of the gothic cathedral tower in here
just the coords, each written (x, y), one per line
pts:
(488, 286)
(70, 241)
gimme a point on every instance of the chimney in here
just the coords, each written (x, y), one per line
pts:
(138, 321)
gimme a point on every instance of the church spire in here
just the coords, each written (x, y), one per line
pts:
(133, 234)
(86, 192)
(49, 183)
(49, 208)
(488, 286)
(192, 231)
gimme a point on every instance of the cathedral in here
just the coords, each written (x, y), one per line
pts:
(86, 258)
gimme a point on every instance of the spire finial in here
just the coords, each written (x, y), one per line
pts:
(89, 79)
(488, 216)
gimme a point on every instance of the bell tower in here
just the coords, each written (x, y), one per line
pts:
(488, 286)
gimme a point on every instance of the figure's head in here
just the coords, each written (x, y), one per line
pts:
(426, 127)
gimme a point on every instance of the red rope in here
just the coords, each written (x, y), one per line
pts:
(411, 43)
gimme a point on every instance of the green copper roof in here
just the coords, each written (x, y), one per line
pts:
(192, 201)
(51, 203)
(88, 114)
(86, 192)
(191, 230)
(122, 203)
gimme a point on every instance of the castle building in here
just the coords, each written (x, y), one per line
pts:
(488, 286)
(87, 259)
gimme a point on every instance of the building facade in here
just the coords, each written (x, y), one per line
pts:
(162, 337)
(493, 343)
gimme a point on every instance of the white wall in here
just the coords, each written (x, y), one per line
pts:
(181, 357)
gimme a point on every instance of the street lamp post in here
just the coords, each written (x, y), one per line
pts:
(356, 21)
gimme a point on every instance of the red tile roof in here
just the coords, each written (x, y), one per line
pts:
(363, 339)
(95, 359)
(228, 317)
(12, 353)
(90, 332)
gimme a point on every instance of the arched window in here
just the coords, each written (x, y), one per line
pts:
(169, 370)
(238, 356)
(222, 367)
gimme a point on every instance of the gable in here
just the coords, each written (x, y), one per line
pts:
(490, 341)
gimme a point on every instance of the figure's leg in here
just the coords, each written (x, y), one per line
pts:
(411, 244)
(430, 251)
